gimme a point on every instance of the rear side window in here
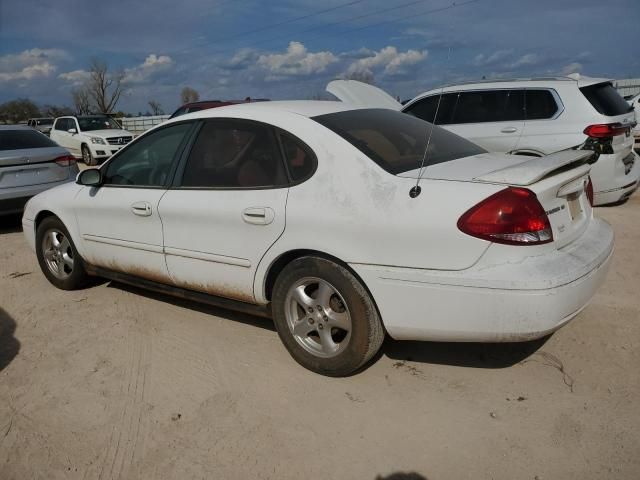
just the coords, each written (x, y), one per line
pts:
(19, 139)
(489, 106)
(396, 141)
(606, 99)
(234, 154)
(540, 104)
(301, 161)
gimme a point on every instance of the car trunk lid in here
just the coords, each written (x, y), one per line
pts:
(559, 182)
(361, 94)
(33, 166)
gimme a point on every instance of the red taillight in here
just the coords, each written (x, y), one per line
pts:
(512, 216)
(65, 160)
(589, 191)
(605, 130)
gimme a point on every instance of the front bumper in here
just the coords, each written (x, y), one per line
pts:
(492, 303)
(102, 152)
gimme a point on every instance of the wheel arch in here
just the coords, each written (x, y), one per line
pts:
(278, 264)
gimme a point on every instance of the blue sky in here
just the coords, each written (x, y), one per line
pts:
(291, 49)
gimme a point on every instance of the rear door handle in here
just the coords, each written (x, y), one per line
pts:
(509, 130)
(258, 215)
(143, 209)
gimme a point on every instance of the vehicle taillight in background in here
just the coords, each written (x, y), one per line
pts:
(65, 160)
(589, 191)
(512, 216)
(606, 130)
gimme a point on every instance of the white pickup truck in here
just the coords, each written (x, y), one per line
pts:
(94, 138)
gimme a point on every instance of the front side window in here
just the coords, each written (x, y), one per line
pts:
(148, 161)
(234, 154)
(60, 123)
(426, 108)
(397, 141)
(97, 122)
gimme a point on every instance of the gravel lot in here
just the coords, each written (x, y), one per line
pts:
(112, 382)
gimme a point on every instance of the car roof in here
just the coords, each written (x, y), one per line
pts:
(580, 80)
(16, 127)
(305, 108)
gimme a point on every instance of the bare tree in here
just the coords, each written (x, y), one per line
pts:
(81, 100)
(365, 76)
(189, 95)
(104, 87)
(156, 108)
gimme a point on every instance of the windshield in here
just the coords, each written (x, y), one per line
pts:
(97, 123)
(397, 141)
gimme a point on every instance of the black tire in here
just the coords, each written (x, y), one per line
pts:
(77, 276)
(366, 330)
(87, 157)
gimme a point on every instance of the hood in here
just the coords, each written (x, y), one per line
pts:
(361, 94)
(502, 168)
(107, 133)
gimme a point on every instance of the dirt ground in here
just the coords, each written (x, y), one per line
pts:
(116, 383)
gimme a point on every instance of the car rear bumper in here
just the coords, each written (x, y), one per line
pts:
(12, 200)
(492, 303)
(611, 183)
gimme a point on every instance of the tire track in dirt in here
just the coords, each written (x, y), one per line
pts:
(124, 445)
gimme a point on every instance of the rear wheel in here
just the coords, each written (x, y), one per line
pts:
(87, 157)
(325, 317)
(57, 255)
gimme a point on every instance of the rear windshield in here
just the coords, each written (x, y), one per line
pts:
(19, 139)
(397, 141)
(606, 99)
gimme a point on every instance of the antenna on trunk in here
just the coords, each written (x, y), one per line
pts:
(416, 189)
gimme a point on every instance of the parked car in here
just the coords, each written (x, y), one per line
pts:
(635, 103)
(204, 104)
(43, 125)
(308, 212)
(530, 117)
(30, 163)
(94, 138)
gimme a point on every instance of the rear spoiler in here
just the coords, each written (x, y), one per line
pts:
(530, 171)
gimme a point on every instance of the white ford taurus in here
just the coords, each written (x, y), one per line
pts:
(302, 211)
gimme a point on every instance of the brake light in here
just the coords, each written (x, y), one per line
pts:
(589, 191)
(65, 160)
(512, 216)
(605, 130)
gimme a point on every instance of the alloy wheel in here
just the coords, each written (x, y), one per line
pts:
(58, 254)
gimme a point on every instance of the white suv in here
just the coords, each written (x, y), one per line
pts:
(530, 117)
(94, 138)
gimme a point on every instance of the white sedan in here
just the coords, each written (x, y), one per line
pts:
(308, 212)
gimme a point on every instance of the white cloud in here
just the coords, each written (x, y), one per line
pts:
(389, 59)
(75, 77)
(151, 65)
(527, 60)
(574, 67)
(481, 59)
(30, 64)
(296, 61)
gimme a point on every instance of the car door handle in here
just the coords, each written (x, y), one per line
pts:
(509, 130)
(258, 215)
(142, 209)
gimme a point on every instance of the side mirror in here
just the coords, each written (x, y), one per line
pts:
(72, 130)
(91, 177)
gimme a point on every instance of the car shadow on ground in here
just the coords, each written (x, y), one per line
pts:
(9, 345)
(402, 476)
(10, 224)
(247, 319)
(473, 355)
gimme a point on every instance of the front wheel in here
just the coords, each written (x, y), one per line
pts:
(325, 317)
(87, 157)
(57, 255)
